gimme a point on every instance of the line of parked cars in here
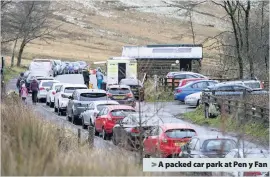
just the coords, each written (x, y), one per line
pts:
(191, 85)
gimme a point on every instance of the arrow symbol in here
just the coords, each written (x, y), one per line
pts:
(154, 164)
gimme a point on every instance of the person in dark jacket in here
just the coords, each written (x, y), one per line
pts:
(86, 77)
(18, 84)
(34, 88)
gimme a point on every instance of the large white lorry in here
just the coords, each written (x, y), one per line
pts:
(120, 68)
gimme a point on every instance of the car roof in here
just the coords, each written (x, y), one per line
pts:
(105, 101)
(195, 79)
(119, 86)
(56, 81)
(74, 85)
(113, 107)
(198, 81)
(228, 84)
(210, 137)
(168, 126)
(91, 91)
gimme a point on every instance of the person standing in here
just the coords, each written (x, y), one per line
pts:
(100, 77)
(18, 84)
(86, 77)
(34, 89)
(24, 93)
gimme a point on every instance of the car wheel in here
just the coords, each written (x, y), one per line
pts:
(104, 134)
(96, 132)
(47, 103)
(55, 109)
(198, 103)
(51, 104)
(59, 112)
(83, 125)
(75, 119)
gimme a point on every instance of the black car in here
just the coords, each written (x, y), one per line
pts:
(122, 94)
(208, 147)
(130, 131)
(136, 87)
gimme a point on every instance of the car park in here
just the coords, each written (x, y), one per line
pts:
(79, 101)
(51, 93)
(193, 99)
(89, 116)
(208, 147)
(130, 131)
(247, 153)
(122, 94)
(62, 96)
(44, 87)
(136, 87)
(166, 140)
(181, 92)
(108, 117)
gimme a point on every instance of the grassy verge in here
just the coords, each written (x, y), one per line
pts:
(10, 73)
(33, 147)
(254, 130)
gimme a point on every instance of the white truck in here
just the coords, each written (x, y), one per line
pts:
(120, 68)
(44, 67)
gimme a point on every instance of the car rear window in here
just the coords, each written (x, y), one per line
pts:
(253, 85)
(72, 89)
(218, 145)
(180, 133)
(47, 84)
(119, 91)
(92, 96)
(121, 112)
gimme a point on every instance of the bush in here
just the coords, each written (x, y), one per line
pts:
(32, 146)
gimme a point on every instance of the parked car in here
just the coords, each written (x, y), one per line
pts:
(186, 81)
(26, 74)
(70, 68)
(181, 92)
(107, 118)
(184, 75)
(83, 65)
(253, 84)
(165, 140)
(247, 153)
(57, 66)
(62, 96)
(127, 132)
(232, 89)
(76, 67)
(136, 87)
(79, 101)
(38, 75)
(90, 114)
(208, 147)
(42, 65)
(44, 87)
(122, 94)
(51, 93)
(193, 99)
(64, 67)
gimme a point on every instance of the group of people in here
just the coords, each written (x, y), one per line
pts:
(99, 76)
(23, 91)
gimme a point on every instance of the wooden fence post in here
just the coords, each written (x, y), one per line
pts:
(91, 136)
(79, 136)
(173, 80)
(229, 106)
(165, 84)
(262, 113)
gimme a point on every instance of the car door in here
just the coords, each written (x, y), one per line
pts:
(238, 90)
(57, 95)
(49, 94)
(151, 140)
(194, 146)
(87, 113)
(98, 120)
(101, 119)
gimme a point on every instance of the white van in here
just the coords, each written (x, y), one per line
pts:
(119, 68)
(42, 65)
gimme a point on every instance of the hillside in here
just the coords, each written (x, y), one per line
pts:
(95, 30)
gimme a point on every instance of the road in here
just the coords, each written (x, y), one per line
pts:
(166, 111)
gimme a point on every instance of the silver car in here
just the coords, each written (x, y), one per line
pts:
(89, 115)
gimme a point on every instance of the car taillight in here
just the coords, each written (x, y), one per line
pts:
(134, 130)
(109, 95)
(252, 173)
(53, 92)
(262, 85)
(41, 88)
(179, 91)
(129, 95)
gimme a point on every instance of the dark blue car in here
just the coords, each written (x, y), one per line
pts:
(181, 92)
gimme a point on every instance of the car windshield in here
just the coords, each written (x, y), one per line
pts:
(218, 145)
(119, 90)
(93, 96)
(47, 84)
(101, 106)
(180, 133)
(72, 89)
(121, 112)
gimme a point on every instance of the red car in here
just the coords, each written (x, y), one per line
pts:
(107, 118)
(165, 140)
(186, 81)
